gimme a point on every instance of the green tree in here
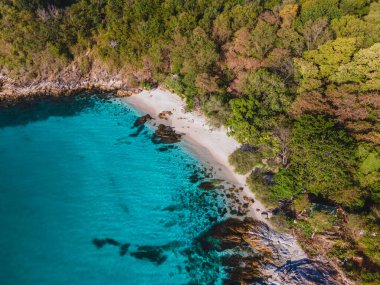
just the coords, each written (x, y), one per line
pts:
(268, 88)
(316, 33)
(315, 9)
(243, 120)
(363, 69)
(351, 26)
(358, 7)
(322, 157)
(320, 66)
(262, 39)
(244, 161)
(331, 55)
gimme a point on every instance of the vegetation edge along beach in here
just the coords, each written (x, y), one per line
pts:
(296, 83)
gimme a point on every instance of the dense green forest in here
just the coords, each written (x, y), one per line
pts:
(296, 82)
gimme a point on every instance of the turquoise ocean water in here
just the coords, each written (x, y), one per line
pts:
(86, 198)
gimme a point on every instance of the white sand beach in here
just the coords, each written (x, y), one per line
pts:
(211, 146)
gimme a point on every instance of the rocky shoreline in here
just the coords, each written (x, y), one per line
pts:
(68, 81)
(250, 250)
(265, 255)
(11, 92)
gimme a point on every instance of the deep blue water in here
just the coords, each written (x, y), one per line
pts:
(85, 198)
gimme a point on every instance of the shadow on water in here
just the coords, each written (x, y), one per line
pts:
(27, 111)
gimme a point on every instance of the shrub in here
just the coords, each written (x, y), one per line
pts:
(259, 186)
(244, 161)
(216, 111)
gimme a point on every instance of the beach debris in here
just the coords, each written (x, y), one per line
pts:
(166, 135)
(164, 115)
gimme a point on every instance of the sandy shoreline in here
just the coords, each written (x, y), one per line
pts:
(212, 147)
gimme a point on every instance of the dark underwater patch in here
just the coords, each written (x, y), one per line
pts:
(99, 243)
(138, 131)
(123, 248)
(209, 185)
(123, 140)
(142, 120)
(166, 148)
(152, 253)
(32, 109)
(194, 178)
(172, 208)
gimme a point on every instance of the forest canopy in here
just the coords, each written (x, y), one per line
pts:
(297, 82)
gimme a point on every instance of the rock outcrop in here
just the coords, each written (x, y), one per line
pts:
(165, 134)
(255, 254)
(142, 120)
(164, 115)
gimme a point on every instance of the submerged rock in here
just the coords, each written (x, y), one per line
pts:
(165, 134)
(172, 208)
(194, 178)
(111, 241)
(142, 120)
(151, 253)
(214, 184)
(124, 249)
(99, 243)
(207, 185)
(165, 148)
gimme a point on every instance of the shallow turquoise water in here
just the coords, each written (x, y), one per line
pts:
(73, 170)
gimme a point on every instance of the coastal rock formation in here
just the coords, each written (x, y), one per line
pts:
(242, 260)
(164, 115)
(126, 93)
(142, 120)
(255, 254)
(213, 184)
(70, 80)
(165, 134)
